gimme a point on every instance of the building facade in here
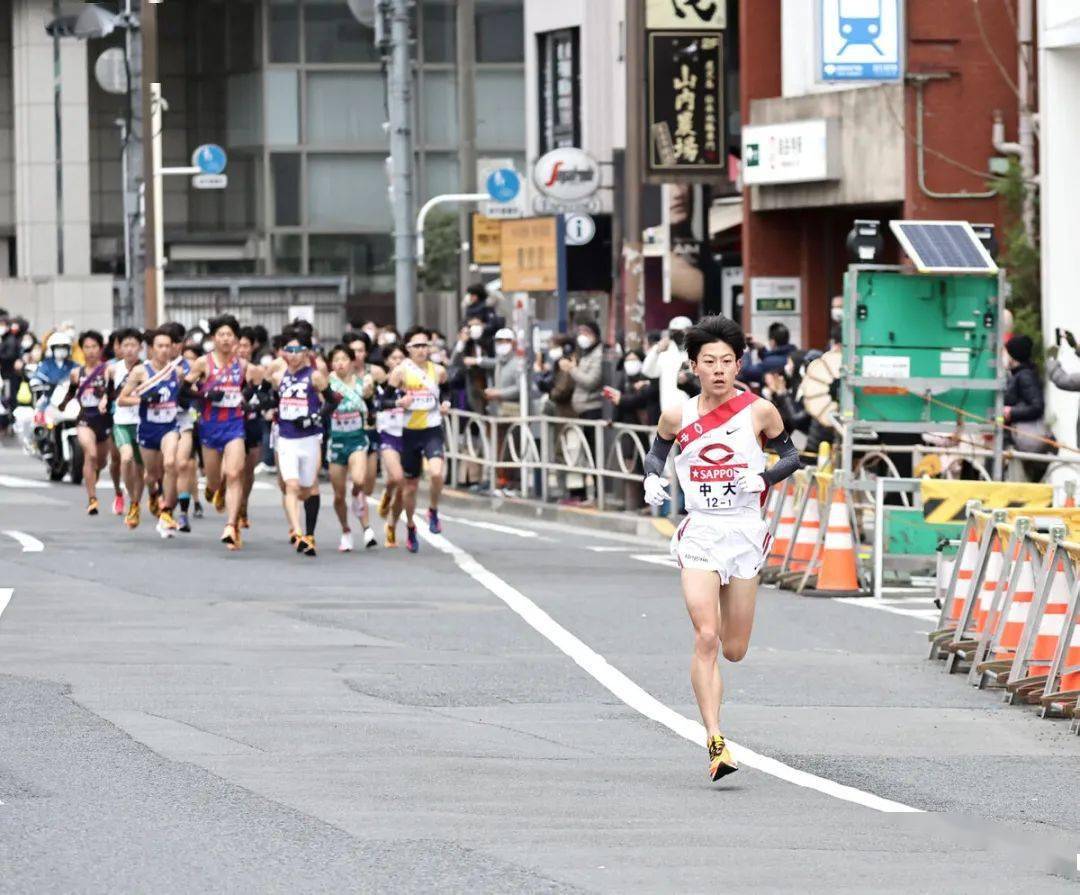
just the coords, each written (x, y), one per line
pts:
(292, 89)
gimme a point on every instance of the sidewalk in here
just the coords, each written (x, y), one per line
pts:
(656, 528)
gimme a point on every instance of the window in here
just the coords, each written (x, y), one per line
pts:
(244, 119)
(559, 90)
(500, 31)
(439, 108)
(244, 35)
(366, 257)
(282, 107)
(332, 34)
(285, 173)
(442, 174)
(440, 31)
(345, 107)
(347, 191)
(284, 31)
(288, 250)
(500, 108)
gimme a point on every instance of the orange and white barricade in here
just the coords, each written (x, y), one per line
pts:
(957, 588)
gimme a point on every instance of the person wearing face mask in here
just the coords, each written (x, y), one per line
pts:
(56, 365)
(587, 372)
(666, 360)
(637, 401)
(505, 368)
(552, 381)
(467, 374)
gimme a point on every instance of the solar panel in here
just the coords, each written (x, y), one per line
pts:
(943, 246)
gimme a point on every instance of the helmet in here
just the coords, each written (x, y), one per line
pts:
(58, 340)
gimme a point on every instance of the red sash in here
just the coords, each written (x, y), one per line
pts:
(715, 417)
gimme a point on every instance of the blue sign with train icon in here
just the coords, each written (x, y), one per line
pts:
(861, 40)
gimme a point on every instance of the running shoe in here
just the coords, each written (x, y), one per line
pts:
(346, 544)
(433, 524)
(197, 510)
(219, 500)
(384, 504)
(307, 545)
(230, 537)
(92, 507)
(391, 535)
(118, 505)
(166, 525)
(369, 539)
(209, 494)
(294, 536)
(153, 501)
(182, 522)
(412, 540)
(131, 520)
(720, 761)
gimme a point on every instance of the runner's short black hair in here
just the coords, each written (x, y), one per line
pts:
(225, 320)
(177, 329)
(93, 335)
(249, 333)
(262, 336)
(717, 328)
(344, 349)
(127, 332)
(296, 334)
(167, 331)
(415, 331)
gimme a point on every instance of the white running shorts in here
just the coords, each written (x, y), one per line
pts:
(733, 546)
(299, 459)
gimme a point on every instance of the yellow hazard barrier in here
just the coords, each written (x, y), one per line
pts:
(945, 500)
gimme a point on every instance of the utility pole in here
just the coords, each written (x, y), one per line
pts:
(466, 114)
(151, 117)
(403, 161)
(633, 170)
(1025, 13)
(132, 166)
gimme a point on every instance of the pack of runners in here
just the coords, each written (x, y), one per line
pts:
(163, 409)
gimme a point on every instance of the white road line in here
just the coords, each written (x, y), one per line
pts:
(610, 549)
(492, 526)
(29, 543)
(14, 481)
(638, 699)
(5, 597)
(930, 615)
(658, 559)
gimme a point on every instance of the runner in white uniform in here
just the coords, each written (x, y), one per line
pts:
(723, 541)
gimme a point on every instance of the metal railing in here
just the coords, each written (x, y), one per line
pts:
(543, 452)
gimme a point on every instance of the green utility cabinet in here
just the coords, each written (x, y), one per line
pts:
(914, 343)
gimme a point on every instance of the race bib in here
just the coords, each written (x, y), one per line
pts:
(89, 398)
(422, 401)
(293, 408)
(392, 422)
(161, 413)
(348, 421)
(231, 398)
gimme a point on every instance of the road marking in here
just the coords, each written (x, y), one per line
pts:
(657, 559)
(929, 615)
(14, 481)
(610, 549)
(29, 543)
(5, 597)
(492, 526)
(638, 699)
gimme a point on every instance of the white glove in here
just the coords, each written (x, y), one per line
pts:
(656, 490)
(750, 482)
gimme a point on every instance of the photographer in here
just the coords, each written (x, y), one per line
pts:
(1064, 380)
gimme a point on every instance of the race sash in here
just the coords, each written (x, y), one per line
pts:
(714, 418)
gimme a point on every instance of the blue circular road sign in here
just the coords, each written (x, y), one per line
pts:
(503, 185)
(210, 158)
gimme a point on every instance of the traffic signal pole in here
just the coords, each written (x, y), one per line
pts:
(151, 120)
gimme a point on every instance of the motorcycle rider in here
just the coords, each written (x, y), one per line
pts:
(56, 367)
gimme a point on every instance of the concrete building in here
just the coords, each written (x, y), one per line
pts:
(1059, 145)
(292, 89)
(916, 148)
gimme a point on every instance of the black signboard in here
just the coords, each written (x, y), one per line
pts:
(685, 127)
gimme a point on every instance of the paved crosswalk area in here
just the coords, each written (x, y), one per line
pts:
(509, 710)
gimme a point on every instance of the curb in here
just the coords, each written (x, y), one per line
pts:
(652, 528)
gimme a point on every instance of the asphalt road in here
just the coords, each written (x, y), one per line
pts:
(174, 718)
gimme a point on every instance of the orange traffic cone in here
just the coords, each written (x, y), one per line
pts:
(839, 572)
(784, 527)
(1016, 617)
(806, 535)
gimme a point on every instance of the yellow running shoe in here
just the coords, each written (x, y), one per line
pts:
(391, 535)
(720, 761)
(131, 520)
(153, 501)
(92, 507)
(307, 545)
(209, 494)
(167, 521)
(384, 503)
(219, 499)
(230, 537)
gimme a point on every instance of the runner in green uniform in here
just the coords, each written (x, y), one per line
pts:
(348, 440)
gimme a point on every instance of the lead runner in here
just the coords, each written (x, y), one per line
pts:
(723, 541)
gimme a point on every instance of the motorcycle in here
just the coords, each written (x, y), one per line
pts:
(52, 434)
